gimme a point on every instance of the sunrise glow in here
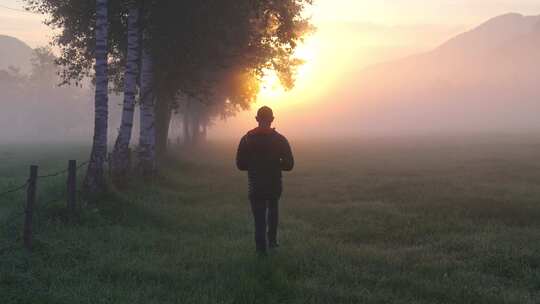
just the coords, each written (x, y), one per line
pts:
(271, 89)
(312, 77)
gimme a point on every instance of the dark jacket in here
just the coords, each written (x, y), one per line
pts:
(264, 153)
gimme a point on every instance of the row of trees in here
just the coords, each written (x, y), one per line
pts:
(170, 56)
(31, 99)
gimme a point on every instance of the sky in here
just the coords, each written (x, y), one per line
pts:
(351, 35)
(448, 13)
(25, 26)
(406, 12)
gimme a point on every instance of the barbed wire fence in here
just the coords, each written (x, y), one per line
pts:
(69, 194)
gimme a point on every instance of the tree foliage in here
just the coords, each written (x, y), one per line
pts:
(190, 41)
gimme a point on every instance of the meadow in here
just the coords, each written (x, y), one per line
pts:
(403, 220)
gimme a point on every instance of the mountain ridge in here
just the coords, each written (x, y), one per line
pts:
(494, 32)
(477, 80)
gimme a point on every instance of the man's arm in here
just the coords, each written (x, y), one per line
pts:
(287, 159)
(242, 161)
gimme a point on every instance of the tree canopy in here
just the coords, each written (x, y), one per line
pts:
(190, 41)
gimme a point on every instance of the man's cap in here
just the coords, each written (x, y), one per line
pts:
(265, 112)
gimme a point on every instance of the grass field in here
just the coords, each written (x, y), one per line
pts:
(379, 221)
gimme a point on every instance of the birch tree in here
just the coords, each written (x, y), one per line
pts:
(120, 156)
(94, 182)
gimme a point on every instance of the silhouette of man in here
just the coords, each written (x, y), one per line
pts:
(264, 154)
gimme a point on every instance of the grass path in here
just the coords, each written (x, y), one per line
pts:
(385, 224)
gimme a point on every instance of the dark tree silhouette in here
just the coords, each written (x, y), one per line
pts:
(189, 42)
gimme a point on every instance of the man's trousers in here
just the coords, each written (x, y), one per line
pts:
(266, 216)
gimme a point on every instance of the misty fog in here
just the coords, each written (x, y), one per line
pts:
(35, 107)
(481, 81)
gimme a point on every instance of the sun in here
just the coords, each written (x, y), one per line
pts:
(271, 87)
(272, 92)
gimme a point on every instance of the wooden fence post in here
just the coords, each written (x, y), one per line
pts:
(29, 210)
(72, 187)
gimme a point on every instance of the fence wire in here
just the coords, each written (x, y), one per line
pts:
(16, 189)
(52, 174)
(23, 186)
(8, 223)
(63, 196)
(62, 171)
(83, 164)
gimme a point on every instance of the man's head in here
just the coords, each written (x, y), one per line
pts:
(265, 117)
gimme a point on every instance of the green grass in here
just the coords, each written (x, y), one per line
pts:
(395, 221)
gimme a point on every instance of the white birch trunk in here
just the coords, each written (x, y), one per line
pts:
(95, 178)
(147, 138)
(120, 158)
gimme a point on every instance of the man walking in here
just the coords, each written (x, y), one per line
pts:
(264, 154)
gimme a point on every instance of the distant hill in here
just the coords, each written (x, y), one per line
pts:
(14, 52)
(485, 79)
(493, 33)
